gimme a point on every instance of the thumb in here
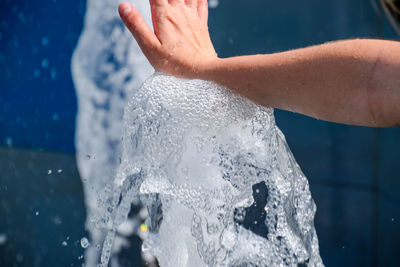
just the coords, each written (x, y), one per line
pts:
(143, 34)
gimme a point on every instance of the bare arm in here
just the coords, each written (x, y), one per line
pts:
(353, 82)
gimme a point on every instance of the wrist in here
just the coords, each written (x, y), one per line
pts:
(209, 69)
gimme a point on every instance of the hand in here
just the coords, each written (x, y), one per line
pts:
(180, 44)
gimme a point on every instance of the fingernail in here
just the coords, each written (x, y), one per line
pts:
(124, 10)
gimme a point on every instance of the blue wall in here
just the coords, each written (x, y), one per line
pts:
(37, 98)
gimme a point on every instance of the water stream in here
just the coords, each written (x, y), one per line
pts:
(194, 154)
(107, 66)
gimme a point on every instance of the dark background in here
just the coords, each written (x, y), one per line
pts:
(353, 171)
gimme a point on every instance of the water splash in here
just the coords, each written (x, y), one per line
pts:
(193, 152)
(107, 66)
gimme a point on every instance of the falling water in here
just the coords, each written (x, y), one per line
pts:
(193, 153)
(107, 66)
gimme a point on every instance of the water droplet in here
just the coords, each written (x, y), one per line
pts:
(59, 170)
(57, 220)
(213, 3)
(36, 73)
(49, 171)
(3, 239)
(45, 63)
(37, 213)
(55, 117)
(9, 141)
(45, 41)
(21, 17)
(392, 219)
(20, 257)
(64, 243)
(84, 242)
(53, 73)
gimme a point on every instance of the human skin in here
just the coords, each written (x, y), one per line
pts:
(352, 82)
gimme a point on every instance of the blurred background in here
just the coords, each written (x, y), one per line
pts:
(354, 172)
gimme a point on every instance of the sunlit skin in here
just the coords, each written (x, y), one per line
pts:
(352, 82)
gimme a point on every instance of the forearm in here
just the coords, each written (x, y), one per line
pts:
(353, 82)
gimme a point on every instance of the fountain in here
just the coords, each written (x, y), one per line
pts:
(193, 153)
(107, 66)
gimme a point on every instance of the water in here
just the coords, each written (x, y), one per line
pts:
(3, 239)
(193, 152)
(84, 242)
(213, 3)
(107, 66)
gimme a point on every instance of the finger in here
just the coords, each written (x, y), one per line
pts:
(145, 37)
(157, 12)
(191, 3)
(174, 2)
(202, 9)
(158, 2)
